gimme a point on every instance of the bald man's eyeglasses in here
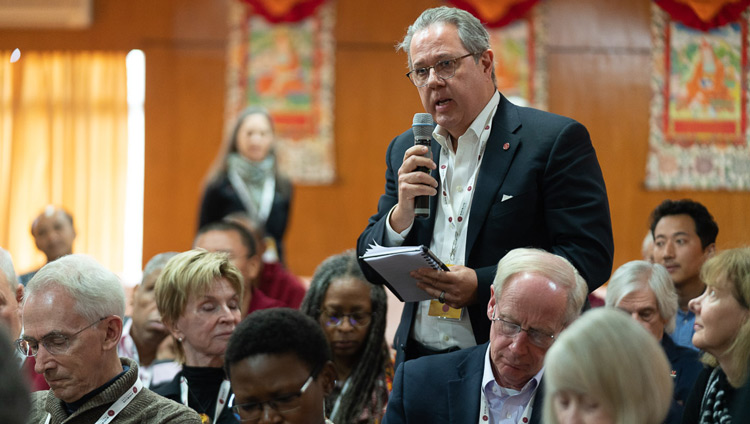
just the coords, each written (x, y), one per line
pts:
(511, 329)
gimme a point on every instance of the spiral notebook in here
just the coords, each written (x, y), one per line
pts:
(395, 263)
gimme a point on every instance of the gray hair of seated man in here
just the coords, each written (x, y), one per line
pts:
(637, 275)
(97, 291)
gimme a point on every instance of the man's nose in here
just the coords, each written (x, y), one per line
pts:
(520, 342)
(43, 360)
(433, 80)
(668, 250)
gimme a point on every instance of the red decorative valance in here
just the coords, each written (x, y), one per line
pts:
(278, 11)
(704, 14)
(495, 13)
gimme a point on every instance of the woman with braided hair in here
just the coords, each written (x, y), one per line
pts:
(352, 313)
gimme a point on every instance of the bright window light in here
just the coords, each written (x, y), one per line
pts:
(133, 248)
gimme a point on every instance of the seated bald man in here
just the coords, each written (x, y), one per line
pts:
(533, 297)
(54, 234)
(72, 319)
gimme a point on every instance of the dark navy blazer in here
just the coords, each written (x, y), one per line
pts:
(559, 203)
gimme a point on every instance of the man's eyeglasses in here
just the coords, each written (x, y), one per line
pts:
(55, 343)
(444, 69)
(356, 320)
(536, 337)
(251, 412)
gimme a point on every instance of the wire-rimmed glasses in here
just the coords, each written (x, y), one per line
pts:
(335, 319)
(444, 69)
(252, 411)
(536, 337)
(56, 343)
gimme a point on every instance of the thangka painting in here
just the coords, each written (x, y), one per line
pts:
(288, 68)
(699, 137)
(519, 60)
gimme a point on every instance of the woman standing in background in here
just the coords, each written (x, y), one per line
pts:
(246, 179)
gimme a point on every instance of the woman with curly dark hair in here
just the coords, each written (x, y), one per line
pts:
(352, 313)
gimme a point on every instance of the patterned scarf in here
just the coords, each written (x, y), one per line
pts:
(252, 173)
(715, 406)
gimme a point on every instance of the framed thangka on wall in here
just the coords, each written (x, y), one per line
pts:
(517, 40)
(698, 128)
(288, 68)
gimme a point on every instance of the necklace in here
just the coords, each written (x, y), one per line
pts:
(221, 399)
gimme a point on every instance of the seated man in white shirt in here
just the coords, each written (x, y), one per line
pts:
(535, 295)
(144, 336)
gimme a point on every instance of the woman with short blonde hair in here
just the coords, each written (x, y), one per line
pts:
(198, 295)
(606, 366)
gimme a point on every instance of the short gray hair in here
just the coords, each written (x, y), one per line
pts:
(157, 263)
(637, 275)
(471, 32)
(6, 267)
(551, 266)
(96, 290)
(600, 355)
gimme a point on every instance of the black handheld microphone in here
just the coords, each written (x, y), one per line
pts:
(422, 127)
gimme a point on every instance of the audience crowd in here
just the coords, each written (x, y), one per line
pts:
(224, 333)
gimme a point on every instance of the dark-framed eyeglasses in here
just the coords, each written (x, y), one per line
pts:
(56, 343)
(251, 412)
(444, 69)
(334, 319)
(511, 329)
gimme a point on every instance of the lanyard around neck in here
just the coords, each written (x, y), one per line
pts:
(118, 406)
(221, 398)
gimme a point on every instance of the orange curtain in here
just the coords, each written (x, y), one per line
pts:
(63, 141)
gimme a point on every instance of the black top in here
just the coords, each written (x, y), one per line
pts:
(693, 410)
(203, 388)
(686, 366)
(220, 199)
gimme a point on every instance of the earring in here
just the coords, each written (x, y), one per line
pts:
(179, 339)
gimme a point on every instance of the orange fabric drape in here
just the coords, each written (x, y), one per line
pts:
(63, 141)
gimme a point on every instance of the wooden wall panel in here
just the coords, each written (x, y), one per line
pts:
(599, 72)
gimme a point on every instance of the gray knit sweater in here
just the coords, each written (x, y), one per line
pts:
(146, 407)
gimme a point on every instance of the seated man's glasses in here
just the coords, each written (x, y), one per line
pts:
(536, 337)
(56, 343)
(444, 69)
(252, 412)
(335, 319)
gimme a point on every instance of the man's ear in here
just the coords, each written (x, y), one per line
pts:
(710, 250)
(487, 60)
(253, 268)
(491, 303)
(19, 293)
(113, 332)
(132, 294)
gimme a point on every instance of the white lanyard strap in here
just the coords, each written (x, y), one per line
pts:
(456, 222)
(221, 399)
(116, 407)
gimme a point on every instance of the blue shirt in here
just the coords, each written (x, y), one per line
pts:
(683, 330)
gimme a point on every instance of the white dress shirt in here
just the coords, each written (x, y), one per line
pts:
(458, 173)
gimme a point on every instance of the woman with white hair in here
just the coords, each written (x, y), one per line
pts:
(605, 368)
(646, 292)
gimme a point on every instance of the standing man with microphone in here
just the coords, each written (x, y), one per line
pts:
(501, 177)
